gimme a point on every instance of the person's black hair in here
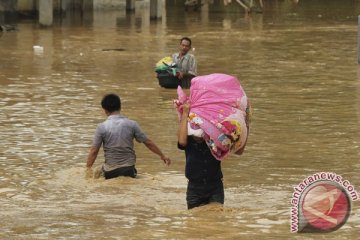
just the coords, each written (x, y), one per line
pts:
(187, 39)
(111, 103)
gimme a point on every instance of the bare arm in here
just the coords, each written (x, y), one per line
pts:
(92, 156)
(182, 132)
(155, 149)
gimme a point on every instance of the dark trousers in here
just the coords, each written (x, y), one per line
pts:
(123, 171)
(199, 194)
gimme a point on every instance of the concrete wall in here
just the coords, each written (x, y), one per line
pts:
(31, 5)
(25, 6)
(7, 11)
(8, 5)
(109, 4)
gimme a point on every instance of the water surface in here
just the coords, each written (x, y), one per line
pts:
(297, 63)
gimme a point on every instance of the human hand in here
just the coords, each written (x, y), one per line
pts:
(166, 160)
(180, 75)
(186, 108)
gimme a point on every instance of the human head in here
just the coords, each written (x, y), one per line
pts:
(111, 103)
(185, 45)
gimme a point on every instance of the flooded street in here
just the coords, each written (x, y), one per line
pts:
(297, 64)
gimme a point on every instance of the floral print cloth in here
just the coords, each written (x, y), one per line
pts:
(219, 106)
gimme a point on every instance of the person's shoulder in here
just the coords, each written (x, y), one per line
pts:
(131, 121)
(101, 126)
(189, 55)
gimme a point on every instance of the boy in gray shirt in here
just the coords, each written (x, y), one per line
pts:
(116, 134)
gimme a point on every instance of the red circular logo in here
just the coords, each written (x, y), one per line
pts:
(326, 206)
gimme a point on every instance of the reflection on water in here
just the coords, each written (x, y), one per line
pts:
(299, 71)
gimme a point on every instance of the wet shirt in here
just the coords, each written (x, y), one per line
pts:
(116, 134)
(201, 166)
(185, 64)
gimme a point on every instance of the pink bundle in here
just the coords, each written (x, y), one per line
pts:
(218, 106)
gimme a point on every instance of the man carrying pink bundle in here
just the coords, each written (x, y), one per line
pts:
(214, 121)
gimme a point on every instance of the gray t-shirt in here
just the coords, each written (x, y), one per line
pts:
(116, 134)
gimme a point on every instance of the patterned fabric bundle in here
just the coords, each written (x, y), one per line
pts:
(166, 65)
(219, 107)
